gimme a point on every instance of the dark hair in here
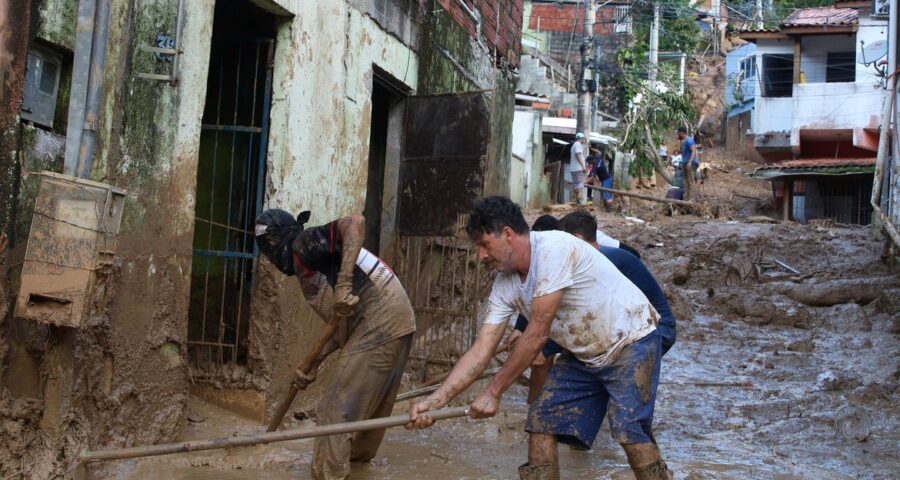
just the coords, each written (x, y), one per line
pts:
(682, 130)
(545, 223)
(491, 214)
(581, 222)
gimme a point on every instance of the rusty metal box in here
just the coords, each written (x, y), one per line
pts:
(73, 236)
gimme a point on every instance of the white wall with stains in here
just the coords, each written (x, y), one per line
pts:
(321, 107)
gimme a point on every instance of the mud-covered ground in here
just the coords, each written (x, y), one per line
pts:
(786, 365)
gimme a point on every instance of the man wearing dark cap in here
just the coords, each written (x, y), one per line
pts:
(348, 285)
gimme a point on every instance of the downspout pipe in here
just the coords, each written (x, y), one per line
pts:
(84, 30)
(95, 89)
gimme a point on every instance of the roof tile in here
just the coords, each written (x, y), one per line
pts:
(806, 163)
(820, 17)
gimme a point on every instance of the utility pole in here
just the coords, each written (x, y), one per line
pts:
(596, 125)
(654, 47)
(758, 14)
(583, 119)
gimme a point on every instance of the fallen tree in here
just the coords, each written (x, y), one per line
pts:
(836, 292)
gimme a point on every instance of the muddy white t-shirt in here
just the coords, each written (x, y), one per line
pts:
(601, 311)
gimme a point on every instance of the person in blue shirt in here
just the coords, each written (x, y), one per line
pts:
(582, 224)
(690, 161)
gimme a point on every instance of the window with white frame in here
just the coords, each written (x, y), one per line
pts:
(623, 19)
(748, 67)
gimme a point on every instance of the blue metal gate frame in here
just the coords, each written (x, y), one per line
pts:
(223, 343)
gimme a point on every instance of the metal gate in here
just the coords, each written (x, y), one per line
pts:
(230, 180)
(446, 283)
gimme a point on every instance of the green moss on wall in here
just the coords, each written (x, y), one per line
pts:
(498, 169)
(57, 22)
(437, 74)
(144, 117)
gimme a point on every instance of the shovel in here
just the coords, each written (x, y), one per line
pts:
(304, 367)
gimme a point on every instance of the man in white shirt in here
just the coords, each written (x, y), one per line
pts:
(575, 296)
(578, 168)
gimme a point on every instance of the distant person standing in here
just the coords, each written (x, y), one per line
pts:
(690, 160)
(591, 177)
(664, 152)
(604, 178)
(578, 168)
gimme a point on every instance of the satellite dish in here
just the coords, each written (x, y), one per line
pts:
(873, 52)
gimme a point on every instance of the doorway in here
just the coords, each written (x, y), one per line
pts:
(230, 178)
(384, 145)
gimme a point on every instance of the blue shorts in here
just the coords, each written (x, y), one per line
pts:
(576, 397)
(608, 183)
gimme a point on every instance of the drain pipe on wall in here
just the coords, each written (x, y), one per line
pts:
(94, 90)
(84, 31)
(91, 38)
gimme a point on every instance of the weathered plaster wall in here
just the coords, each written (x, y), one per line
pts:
(130, 386)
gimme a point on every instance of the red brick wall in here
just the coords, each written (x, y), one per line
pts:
(501, 24)
(568, 17)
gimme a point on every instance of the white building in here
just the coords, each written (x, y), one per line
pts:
(818, 109)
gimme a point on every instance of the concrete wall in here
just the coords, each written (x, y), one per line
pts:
(773, 114)
(829, 106)
(870, 31)
(131, 383)
(526, 185)
(15, 16)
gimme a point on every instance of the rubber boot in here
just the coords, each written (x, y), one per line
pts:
(657, 470)
(547, 471)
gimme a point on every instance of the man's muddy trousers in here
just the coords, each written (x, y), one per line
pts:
(364, 387)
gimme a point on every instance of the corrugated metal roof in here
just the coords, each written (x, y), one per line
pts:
(819, 163)
(821, 17)
(816, 166)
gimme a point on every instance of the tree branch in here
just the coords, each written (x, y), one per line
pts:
(653, 153)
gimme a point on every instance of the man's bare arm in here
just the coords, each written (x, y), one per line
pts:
(352, 229)
(464, 373)
(528, 346)
(472, 364)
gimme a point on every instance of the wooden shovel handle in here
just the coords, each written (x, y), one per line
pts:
(305, 366)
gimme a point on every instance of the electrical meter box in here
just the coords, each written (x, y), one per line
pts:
(74, 231)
